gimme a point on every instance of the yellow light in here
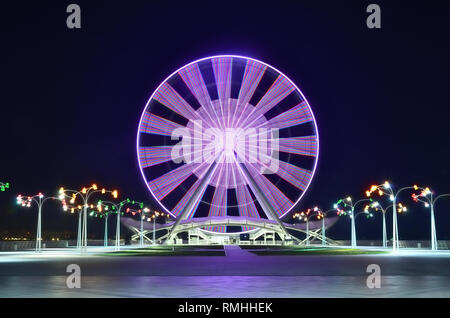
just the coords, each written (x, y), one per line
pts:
(373, 188)
(380, 193)
(115, 194)
(367, 193)
(94, 186)
(61, 190)
(349, 199)
(103, 191)
(416, 187)
(84, 190)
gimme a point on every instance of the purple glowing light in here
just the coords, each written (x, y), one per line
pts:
(228, 93)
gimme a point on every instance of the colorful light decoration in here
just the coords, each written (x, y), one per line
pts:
(39, 199)
(426, 197)
(84, 194)
(211, 100)
(4, 186)
(347, 207)
(386, 189)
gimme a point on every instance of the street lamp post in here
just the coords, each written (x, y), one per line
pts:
(322, 217)
(104, 213)
(72, 208)
(426, 197)
(377, 206)
(141, 213)
(105, 237)
(153, 217)
(117, 207)
(348, 202)
(39, 199)
(306, 216)
(85, 194)
(386, 189)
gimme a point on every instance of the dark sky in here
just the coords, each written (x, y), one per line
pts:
(71, 99)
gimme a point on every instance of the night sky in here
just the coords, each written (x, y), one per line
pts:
(71, 99)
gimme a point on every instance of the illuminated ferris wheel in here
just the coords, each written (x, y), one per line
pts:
(227, 136)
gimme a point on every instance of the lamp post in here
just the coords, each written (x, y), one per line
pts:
(348, 202)
(117, 208)
(386, 189)
(73, 208)
(426, 197)
(322, 217)
(85, 194)
(103, 211)
(141, 213)
(378, 207)
(306, 216)
(39, 199)
(153, 217)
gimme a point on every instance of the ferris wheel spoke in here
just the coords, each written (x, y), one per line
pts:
(219, 202)
(222, 71)
(151, 156)
(306, 146)
(252, 76)
(279, 90)
(297, 115)
(193, 78)
(278, 200)
(294, 175)
(168, 96)
(190, 201)
(245, 201)
(152, 124)
(166, 183)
